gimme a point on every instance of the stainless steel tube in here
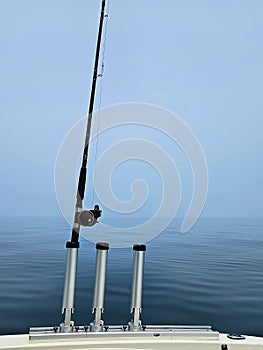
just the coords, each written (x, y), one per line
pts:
(69, 288)
(99, 287)
(137, 282)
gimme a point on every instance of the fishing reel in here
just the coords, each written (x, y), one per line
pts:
(88, 218)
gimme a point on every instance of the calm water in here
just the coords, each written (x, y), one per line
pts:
(212, 275)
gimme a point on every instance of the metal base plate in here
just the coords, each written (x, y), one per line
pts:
(193, 332)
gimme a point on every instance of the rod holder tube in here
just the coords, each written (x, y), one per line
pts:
(137, 283)
(99, 286)
(69, 289)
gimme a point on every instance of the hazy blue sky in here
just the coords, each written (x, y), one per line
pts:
(202, 60)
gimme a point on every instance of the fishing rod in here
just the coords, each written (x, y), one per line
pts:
(82, 217)
(88, 218)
